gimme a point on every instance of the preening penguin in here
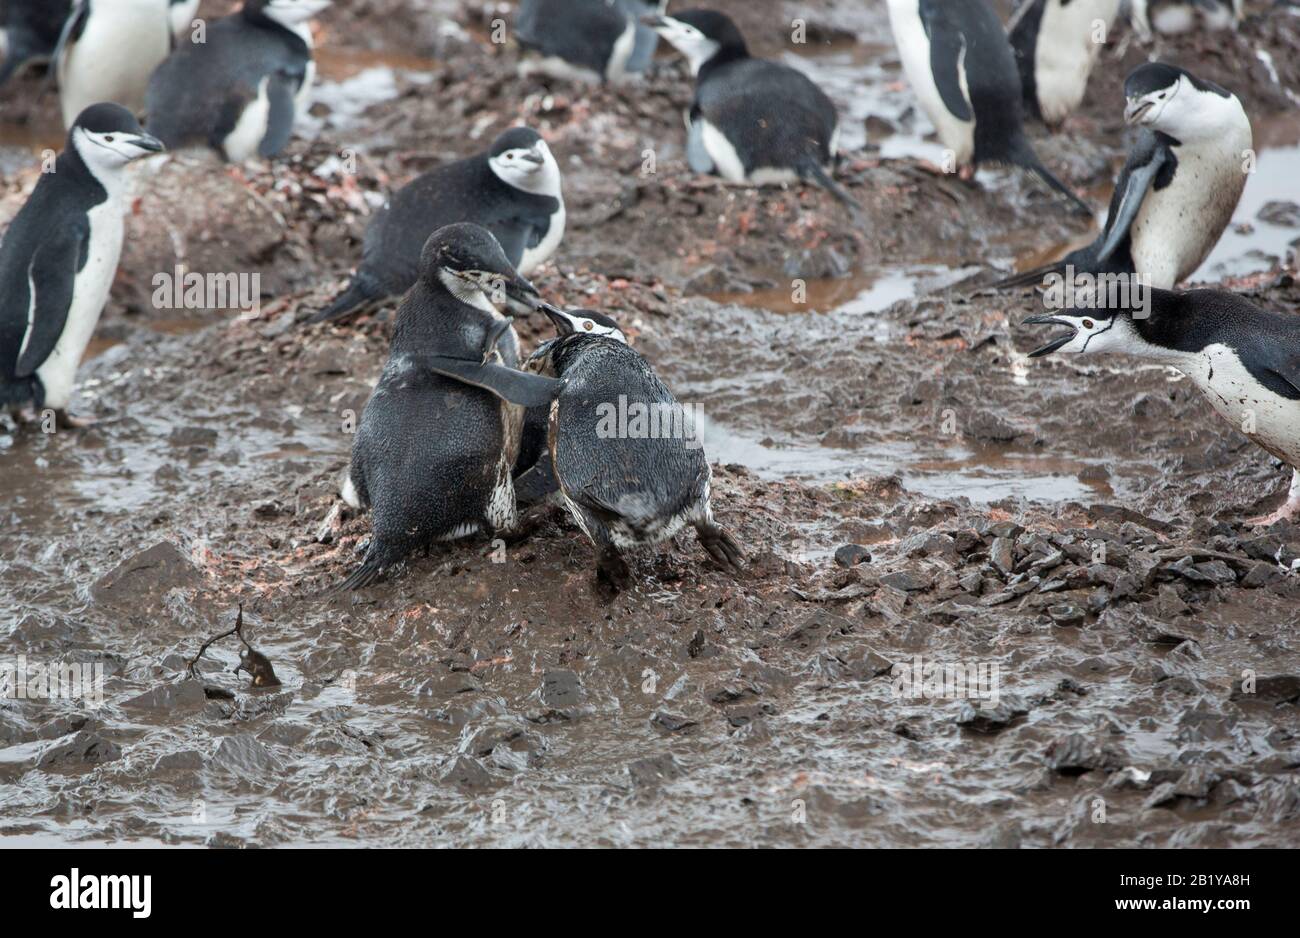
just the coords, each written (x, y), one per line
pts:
(59, 256)
(752, 121)
(1056, 45)
(513, 190)
(435, 450)
(108, 50)
(1244, 359)
(1179, 187)
(960, 64)
(586, 40)
(628, 486)
(29, 32)
(241, 90)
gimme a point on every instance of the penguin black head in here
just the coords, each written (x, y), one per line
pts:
(700, 35)
(468, 261)
(287, 13)
(1174, 101)
(1140, 321)
(107, 137)
(521, 158)
(583, 322)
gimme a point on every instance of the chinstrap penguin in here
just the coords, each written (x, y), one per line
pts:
(959, 62)
(752, 121)
(59, 257)
(625, 490)
(242, 89)
(1244, 359)
(437, 443)
(1174, 17)
(513, 189)
(107, 51)
(1056, 45)
(586, 40)
(1180, 184)
(29, 32)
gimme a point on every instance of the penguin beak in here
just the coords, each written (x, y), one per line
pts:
(521, 291)
(533, 156)
(148, 143)
(654, 20)
(562, 321)
(1056, 343)
(1136, 110)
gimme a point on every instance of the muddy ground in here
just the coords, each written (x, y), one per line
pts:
(1078, 526)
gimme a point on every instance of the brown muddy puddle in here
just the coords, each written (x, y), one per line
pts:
(471, 702)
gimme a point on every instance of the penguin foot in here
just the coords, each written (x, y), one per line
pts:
(1290, 510)
(966, 173)
(722, 547)
(66, 421)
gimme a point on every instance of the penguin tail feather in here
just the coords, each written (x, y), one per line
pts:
(1022, 154)
(363, 576)
(362, 292)
(812, 169)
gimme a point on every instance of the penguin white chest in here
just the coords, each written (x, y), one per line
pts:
(913, 44)
(242, 143)
(1269, 419)
(1065, 53)
(89, 294)
(546, 248)
(119, 48)
(1179, 225)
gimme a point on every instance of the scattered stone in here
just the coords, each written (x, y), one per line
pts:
(1067, 615)
(468, 773)
(850, 555)
(144, 578)
(976, 717)
(909, 581)
(244, 756)
(85, 748)
(1075, 754)
(671, 722)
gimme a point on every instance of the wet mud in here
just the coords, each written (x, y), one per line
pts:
(907, 482)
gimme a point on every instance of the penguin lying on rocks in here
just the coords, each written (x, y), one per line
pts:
(1179, 187)
(1245, 360)
(437, 443)
(1174, 17)
(623, 455)
(586, 40)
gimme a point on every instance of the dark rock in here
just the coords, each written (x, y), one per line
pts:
(1282, 214)
(185, 437)
(1002, 557)
(850, 555)
(468, 773)
(84, 749)
(1067, 615)
(561, 689)
(186, 693)
(909, 581)
(244, 756)
(1075, 754)
(143, 579)
(1280, 688)
(974, 716)
(654, 771)
(670, 722)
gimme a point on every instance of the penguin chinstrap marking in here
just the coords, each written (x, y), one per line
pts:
(514, 190)
(752, 121)
(959, 61)
(438, 439)
(59, 257)
(595, 41)
(108, 50)
(241, 90)
(29, 32)
(1056, 44)
(1244, 359)
(626, 487)
(1180, 184)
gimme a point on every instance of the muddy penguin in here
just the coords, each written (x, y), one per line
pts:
(960, 64)
(586, 40)
(1180, 184)
(623, 455)
(514, 190)
(439, 437)
(752, 121)
(59, 256)
(1056, 44)
(1244, 359)
(29, 32)
(240, 91)
(108, 50)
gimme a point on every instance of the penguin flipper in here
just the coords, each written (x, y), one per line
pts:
(1136, 183)
(947, 47)
(72, 30)
(52, 274)
(279, 122)
(509, 384)
(537, 483)
(697, 155)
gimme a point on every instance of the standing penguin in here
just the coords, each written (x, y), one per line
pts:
(29, 32)
(1179, 187)
(1244, 359)
(1174, 17)
(586, 40)
(961, 66)
(107, 52)
(59, 256)
(513, 190)
(438, 440)
(1056, 44)
(241, 90)
(623, 454)
(752, 121)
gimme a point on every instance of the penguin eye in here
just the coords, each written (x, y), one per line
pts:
(108, 139)
(1088, 324)
(589, 325)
